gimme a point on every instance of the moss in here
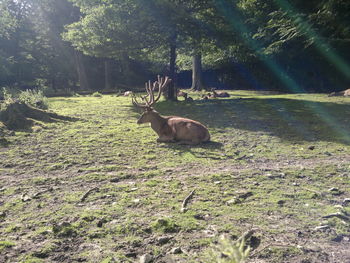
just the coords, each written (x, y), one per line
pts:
(165, 225)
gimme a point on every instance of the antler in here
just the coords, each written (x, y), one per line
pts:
(161, 83)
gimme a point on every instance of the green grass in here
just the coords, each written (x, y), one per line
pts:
(270, 165)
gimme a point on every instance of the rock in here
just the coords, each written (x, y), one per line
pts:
(334, 191)
(281, 202)
(311, 147)
(338, 238)
(323, 227)
(114, 180)
(163, 240)
(146, 258)
(346, 201)
(131, 254)
(25, 198)
(176, 250)
(233, 201)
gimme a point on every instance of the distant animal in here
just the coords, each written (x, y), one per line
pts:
(128, 93)
(220, 94)
(206, 96)
(181, 93)
(345, 93)
(169, 128)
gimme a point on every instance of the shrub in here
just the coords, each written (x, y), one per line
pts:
(34, 98)
(228, 251)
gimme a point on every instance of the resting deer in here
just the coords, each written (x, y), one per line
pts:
(219, 94)
(169, 128)
(345, 93)
(128, 93)
(181, 93)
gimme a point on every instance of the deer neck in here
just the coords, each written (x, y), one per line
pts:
(158, 122)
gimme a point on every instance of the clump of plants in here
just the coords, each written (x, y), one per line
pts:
(227, 251)
(34, 97)
(165, 225)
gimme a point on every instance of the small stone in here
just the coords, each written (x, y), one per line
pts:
(346, 201)
(176, 250)
(338, 238)
(281, 202)
(163, 240)
(311, 147)
(335, 191)
(233, 201)
(321, 227)
(131, 254)
(217, 182)
(146, 258)
(114, 180)
(25, 198)
(136, 201)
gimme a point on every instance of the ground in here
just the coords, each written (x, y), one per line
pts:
(99, 188)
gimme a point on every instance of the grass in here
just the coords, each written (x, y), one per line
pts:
(271, 164)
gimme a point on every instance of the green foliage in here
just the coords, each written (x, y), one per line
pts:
(227, 251)
(34, 98)
(165, 225)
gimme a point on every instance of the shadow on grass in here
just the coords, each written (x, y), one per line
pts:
(289, 119)
(22, 117)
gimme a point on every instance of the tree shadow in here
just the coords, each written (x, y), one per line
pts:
(292, 120)
(22, 117)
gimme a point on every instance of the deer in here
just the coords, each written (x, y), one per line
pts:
(128, 93)
(345, 93)
(181, 93)
(169, 128)
(219, 94)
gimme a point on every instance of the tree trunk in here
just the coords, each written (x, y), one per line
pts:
(83, 81)
(108, 82)
(197, 81)
(171, 92)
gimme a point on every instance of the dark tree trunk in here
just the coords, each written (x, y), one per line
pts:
(197, 81)
(171, 93)
(108, 80)
(79, 63)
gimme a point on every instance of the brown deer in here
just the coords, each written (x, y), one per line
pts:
(345, 93)
(219, 94)
(169, 128)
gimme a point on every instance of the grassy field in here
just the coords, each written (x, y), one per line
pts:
(101, 189)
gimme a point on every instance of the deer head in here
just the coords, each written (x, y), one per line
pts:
(150, 99)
